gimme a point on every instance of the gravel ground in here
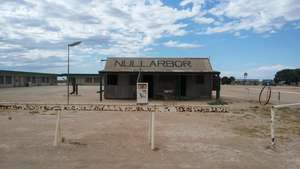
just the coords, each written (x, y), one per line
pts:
(113, 140)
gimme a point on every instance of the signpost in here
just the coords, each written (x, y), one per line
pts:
(142, 99)
(142, 93)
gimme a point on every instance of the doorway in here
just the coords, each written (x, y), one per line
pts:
(149, 79)
(182, 86)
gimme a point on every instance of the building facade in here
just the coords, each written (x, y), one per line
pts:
(25, 79)
(83, 79)
(247, 82)
(167, 78)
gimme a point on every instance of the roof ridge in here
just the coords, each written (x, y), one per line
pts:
(158, 57)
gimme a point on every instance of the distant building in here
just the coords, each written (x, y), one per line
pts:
(22, 79)
(247, 82)
(172, 78)
(268, 82)
(83, 79)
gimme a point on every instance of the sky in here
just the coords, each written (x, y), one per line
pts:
(259, 37)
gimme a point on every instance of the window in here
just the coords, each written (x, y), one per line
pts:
(200, 79)
(132, 80)
(8, 79)
(112, 79)
(47, 79)
(1, 80)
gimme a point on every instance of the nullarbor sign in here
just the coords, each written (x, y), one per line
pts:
(153, 63)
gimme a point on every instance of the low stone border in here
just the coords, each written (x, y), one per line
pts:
(113, 107)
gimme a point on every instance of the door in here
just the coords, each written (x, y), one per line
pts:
(149, 79)
(183, 86)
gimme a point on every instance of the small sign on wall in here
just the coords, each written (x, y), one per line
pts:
(142, 93)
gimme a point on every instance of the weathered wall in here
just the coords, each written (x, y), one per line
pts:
(121, 91)
(198, 91)
(193, 90)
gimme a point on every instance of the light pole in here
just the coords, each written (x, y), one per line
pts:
(101, 77)
(70, 45)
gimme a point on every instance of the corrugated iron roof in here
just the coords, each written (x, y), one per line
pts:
(136, 64)
(27, 73)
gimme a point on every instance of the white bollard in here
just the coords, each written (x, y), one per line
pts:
(58, 135)
(272, 126)
(248, 91)
(149, 128)
(152, 131)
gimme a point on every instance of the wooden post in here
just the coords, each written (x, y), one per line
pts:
(58, 134)
(218, 81)
(248, 92)
(152, 130)
(278, 97)
(272, 126)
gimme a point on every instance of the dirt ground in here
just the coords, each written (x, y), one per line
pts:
(88, 94)
(113, 140)
(288, 94)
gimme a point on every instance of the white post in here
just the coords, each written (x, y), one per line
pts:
(152, 130)
(149, 128)
(248, 93)
(57, 137)
(272, 126)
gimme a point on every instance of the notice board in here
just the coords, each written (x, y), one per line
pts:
(142, 93)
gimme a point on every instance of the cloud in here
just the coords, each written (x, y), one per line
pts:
(7, 46)
(259, 16)
(176, 44)
(272, 68)
(267, 71)
(43, 28)
(203, 20)
(34, 31)
(259, 72)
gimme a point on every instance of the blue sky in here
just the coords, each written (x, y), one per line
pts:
(255, 36)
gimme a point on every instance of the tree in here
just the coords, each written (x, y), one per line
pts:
(227, 80)
(288, 76)
(224, 80)
(245, 75)
(232, 79)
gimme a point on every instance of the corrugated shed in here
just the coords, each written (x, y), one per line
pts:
(134, 64)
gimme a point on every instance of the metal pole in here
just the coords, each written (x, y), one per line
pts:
(68, 95)
(272, 126)
(100, 92)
